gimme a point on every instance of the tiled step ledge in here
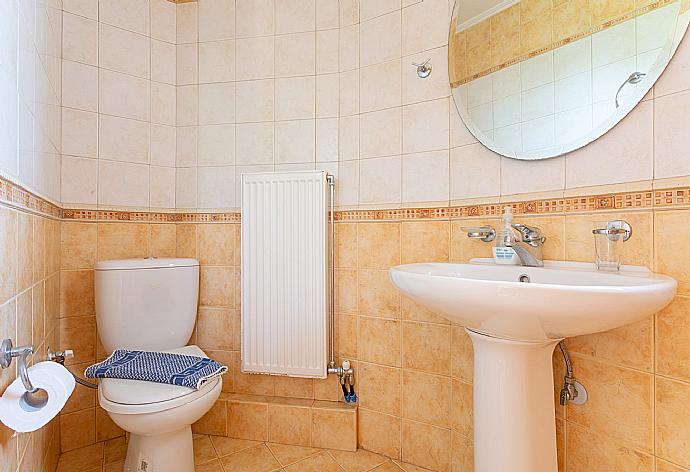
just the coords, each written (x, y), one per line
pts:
(293, 421)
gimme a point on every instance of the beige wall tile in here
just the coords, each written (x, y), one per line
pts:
(105, 427)
(79, 333)
(673, 340)
(426, 445)
(376, 295)
(162, 240)
(462, 355)
(122, 240)
(425, 241)
(24, 251)
(379, 341)
(613, 393)
(413, 311)
(672, 430)
(380, 388)
(346, 250)
(427, 398)
(216, 243)
(379, 433)
(346, 290)
(77, 429)
(463, 453)
(334, 428)
(77, 293)
(252, 383)
(631, 345)
(588, 451)
(289, 425)
(214, 422)
(668, 229)
(347, 335)
(216, 285)
(186, 236)
(427, 347)
(215, 328)
(8, 253)
(293, 387)
(78, 245)
(462, 417)
(378, 245)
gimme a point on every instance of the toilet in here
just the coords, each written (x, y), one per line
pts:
(150, 305)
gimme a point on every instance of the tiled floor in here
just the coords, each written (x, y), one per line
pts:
(220, 454)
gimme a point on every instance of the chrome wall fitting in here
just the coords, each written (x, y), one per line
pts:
(60, 357)
(485, 233)
(573, 391)
(615, 229)
(423, 69)
(346, 377)
(34, 398)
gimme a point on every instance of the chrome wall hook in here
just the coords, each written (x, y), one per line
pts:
(423, 69)
(34, 398)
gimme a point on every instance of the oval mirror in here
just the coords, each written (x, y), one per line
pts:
(534, 79)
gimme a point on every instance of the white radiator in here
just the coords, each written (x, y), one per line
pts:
(284, 295)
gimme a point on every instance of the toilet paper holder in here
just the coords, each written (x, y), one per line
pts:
(34, 397)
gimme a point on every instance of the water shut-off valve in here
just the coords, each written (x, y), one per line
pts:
(346, 376)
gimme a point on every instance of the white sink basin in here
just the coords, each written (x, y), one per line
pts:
(515, 316)
(562, 299)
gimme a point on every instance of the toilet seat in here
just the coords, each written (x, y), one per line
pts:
(134, 397)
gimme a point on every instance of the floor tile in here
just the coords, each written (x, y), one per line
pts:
(322, 462)
(360, 461)
(254, 459)
(203, 450)
(225, 446)
(287, 455)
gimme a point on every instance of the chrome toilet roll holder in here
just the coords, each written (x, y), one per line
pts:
(34, 398)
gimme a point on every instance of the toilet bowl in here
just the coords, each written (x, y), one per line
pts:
(158, 418)
(150, 304)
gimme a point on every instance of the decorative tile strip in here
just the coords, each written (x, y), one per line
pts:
(587, 204)
(15, 195)
(563, 42)
(150, 217)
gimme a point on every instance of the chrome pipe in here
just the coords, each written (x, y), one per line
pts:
(330, 178)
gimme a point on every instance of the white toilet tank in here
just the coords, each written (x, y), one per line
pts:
(146, 304)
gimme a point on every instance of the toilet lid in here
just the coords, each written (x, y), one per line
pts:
(138, 392)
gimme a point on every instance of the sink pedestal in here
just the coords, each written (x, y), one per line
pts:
(514, 420)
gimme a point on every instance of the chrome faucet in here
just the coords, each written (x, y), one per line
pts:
(526, 241)
(528, 244)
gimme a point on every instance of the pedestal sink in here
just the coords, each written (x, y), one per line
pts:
(515, 317)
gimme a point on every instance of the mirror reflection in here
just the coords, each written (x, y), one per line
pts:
(534, 79)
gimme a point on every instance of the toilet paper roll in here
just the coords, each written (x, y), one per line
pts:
(50, 376)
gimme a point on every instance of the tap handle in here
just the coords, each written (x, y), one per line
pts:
(530, 234)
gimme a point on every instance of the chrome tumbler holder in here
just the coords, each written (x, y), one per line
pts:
(34, 398)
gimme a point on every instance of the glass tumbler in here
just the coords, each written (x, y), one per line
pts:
(608, 242)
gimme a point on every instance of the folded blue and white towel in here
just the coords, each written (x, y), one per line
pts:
(161, 367)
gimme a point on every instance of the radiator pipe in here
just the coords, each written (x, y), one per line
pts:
(330, 178)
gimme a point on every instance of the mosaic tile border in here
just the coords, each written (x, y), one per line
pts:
(595, 29)
(17, 196)
(149, 217)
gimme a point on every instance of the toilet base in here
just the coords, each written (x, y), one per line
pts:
(169, 452)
